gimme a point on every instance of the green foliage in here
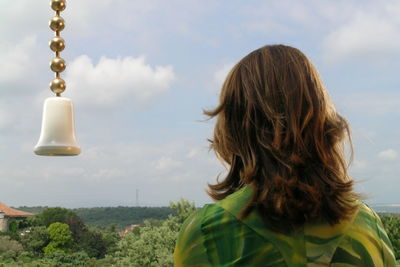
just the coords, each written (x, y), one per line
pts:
(80, 238)
(60, 233)
(67, 241)
(153, 244)
(25, 257)
(8, 256)
(56, 259)
(33, 221)
(69, 260)
(17, 225)
(89, 241)
(101, 217)
(183, 209)
(111, 239)
(60, 238)
(93, 244)
(52, 215)
(76, 244)
(11, 235)
(13, 226)
(392, 226)
(7, 245)
(121, 217)
(35, 239)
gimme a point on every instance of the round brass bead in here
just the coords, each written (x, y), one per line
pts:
(57, 44)
(57, 85)
(57, 64)
(57, 23)
(58, 5)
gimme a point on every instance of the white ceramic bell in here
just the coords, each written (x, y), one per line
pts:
(57, 137)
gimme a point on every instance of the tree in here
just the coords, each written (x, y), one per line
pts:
(183, 209)
(392, 226)
(7, 244)
(9, 249)
(35, 239)
(57, 214)
(153, 244)
(60, 236)
(82, 239)
(93, 244)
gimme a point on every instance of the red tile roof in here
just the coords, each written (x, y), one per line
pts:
(12, 212)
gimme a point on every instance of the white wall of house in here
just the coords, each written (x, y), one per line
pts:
(3, 223)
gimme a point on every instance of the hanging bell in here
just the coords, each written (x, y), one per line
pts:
(57, 137)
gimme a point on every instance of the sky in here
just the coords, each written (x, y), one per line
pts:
(140, 74)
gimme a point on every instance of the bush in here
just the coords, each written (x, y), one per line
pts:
(7, 244)
(35, 239)
(111, 240)
(9, 256)
(392, 226)
(60, 258)
(153, 244)
(52, 215)
(25, 257)
(92, 243)
(61, 238)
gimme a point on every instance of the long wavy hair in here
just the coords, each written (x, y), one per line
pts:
(281, 135)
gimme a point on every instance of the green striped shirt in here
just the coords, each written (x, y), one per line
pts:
(216, 236)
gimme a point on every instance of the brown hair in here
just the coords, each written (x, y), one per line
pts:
(280, 134)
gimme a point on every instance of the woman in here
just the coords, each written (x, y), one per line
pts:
(287, 199)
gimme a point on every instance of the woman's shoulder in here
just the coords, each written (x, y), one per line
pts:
(198, 228)
(367, 218)
(211, 212)
(367, 235)
(208, 214)
(190, 249)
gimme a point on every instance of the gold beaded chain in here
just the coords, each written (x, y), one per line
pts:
(57, 44)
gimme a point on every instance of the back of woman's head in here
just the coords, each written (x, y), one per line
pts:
(280, 134)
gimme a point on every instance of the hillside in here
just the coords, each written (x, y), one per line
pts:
(120, 217)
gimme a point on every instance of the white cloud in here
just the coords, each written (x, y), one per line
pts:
(368, 35)
(114, 80)
(359, 165)
(193, 153)
(364, 134)
(294, 17)
(107, 174)
(124, 155)
(221, 74)
(389, 154)
(16, 59)
(21, 18)
(167, 164)
(84, 16)
(5, 119)
(374, 103)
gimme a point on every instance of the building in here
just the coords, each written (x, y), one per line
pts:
(8, 215)
(128, 229)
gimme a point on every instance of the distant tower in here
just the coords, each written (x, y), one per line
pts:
(137, 197)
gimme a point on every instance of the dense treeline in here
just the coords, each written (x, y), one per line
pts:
(53, 235)
(119, 217)
(59, 237)
(392, 226)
